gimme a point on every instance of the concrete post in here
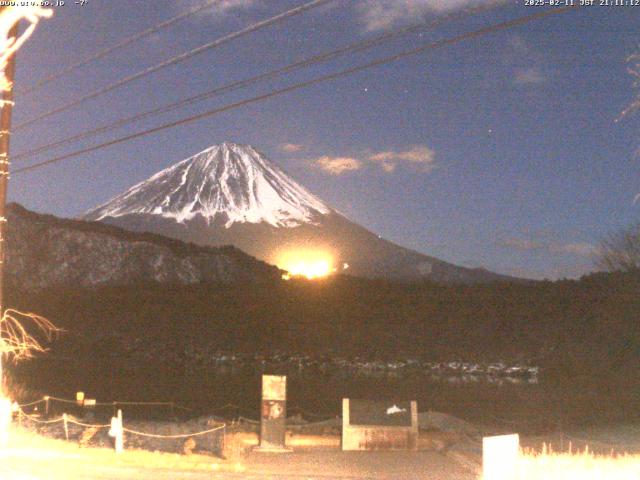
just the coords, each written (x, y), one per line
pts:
(345, 422)
(415, 427)
(273, 414)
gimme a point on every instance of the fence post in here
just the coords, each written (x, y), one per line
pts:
(117, 432)
(66, 426)
(120, 436)
(223, 443)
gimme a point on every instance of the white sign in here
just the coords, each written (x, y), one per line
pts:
(500, 457)
(274, 387)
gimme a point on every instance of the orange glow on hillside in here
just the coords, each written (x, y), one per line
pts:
(309, 264)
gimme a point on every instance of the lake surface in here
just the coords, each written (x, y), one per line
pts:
(314, 392)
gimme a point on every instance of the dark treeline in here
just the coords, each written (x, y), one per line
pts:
(594, 322)
(585, 335)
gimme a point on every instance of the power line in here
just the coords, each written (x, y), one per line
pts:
(323, 57)
(298, 86)
(178, 58)
(123, 43)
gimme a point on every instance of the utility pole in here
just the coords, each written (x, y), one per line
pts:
(5, 134)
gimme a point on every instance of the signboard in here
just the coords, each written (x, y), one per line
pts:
(375, 425)
(274, 387)
(273, 414)
(500, 456)
(366, 412)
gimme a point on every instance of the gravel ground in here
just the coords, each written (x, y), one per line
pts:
(294, 466)
(31, 457)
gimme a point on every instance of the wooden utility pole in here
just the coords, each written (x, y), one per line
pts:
(5, 135)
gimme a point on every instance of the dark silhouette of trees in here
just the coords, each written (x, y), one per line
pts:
(620, 251)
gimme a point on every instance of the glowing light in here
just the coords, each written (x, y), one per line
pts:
(310, 269)
(5, 421)
(306, 263)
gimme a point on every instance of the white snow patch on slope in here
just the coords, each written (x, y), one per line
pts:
(230, 181)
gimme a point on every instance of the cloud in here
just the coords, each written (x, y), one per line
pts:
(530, 75)
(421, 156)
(291, 147)
(384, 14)
(337, 165)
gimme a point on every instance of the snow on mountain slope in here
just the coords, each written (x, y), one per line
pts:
(230, 194)
(228, 182)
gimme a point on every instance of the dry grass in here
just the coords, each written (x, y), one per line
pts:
(584, 465)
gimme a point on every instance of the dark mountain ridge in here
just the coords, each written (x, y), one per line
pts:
(45, 251)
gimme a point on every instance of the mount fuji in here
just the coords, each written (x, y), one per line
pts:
(230, 194)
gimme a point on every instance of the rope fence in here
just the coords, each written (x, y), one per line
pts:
(89, 404)
(248, 420)
(216, 437)
(35, 402)
(60, 425)
(37, 420)
(47, 399)
(319, 416)
(85, 425)
(68, 421)
(65, 418)
(117, 431)
(184, 435)
(115, 403)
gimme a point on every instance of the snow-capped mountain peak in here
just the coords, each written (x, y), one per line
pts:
(231, 183)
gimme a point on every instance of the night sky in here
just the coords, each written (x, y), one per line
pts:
(500, 151)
